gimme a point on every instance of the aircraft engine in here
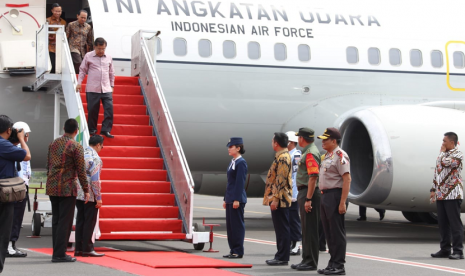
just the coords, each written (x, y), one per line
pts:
(393, 150)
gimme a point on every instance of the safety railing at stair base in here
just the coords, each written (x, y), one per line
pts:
(177, 166)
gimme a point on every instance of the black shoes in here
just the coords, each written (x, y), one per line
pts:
(276, 262)
(107, 134)
(66, 259)
(294, 266)
(441, 254)
(322, 271)
(92, 133)
(335, 271)
(77, 253)
(91, 254)
(232, 256)
(362, 219)
(305, 267)
(456, 256)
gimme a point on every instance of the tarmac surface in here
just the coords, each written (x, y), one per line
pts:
(393, 246)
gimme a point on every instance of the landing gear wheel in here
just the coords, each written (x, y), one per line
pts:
(412, 217)
(430, 218)
(199, 228)
(36, 224)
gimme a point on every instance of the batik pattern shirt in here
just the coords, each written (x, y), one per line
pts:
(80, 38)
(447, 181)
(65, 164)
(278, 186)
(52, 37)
(93, 170)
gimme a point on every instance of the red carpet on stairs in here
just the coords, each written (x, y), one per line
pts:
(137, 203)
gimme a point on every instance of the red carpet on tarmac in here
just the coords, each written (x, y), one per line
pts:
(165, 263)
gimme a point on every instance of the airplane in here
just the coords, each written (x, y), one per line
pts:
(388, 74)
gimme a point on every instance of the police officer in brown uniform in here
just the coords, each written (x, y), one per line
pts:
(334, 182)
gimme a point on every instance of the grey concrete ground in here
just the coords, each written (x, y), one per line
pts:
(392, 238)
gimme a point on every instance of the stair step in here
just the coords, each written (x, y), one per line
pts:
(121, 99)
(121, 89)
(138, 199)
(142, 236)
(132, 163)
(126, 140)
(113, 225)
(133, 174)
(132, 130)
(123, 109)
(129, 151)
(125, 119)
(119, 186)
(139, 212)
(120, 80)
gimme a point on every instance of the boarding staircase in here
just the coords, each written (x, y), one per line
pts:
(147, 188)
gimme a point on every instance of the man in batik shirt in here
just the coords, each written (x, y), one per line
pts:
(278, 195)
(80, 39)
(87, 213)
(447, 191)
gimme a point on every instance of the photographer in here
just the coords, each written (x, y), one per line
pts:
(9, 154)
(24, 171)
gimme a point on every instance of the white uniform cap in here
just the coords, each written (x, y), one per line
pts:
(22, 125)
(292, 137)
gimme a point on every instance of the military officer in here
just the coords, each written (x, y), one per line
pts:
(235, 198)
(334, 182)
(294, 218)
(309, 199)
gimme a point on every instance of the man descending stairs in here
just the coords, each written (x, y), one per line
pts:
(137, 199)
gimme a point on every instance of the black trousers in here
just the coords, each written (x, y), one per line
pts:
(85, 224)
(235, 228)
(52, 60)
(19, 208)
(450, 225)
(62, 223)
(310, 221)
(321, 231)
(294, 222)
(77, 60)
(362, 211)
(6, 221)
(280, 219)
(334, 227)
(93, 108)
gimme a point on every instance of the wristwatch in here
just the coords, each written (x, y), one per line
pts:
(308, 199)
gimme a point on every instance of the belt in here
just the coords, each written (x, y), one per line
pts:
(331, 190)
(301, 188)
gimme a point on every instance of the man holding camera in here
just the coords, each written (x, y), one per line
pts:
(9, 154)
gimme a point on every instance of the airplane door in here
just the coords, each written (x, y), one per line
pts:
(455, 65)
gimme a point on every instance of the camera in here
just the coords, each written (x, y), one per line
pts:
(14, 135)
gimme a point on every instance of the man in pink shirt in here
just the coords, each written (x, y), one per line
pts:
(100, 82)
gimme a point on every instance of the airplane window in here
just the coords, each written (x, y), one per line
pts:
(205, 48)
(280, 51)
(180, 46)
(416, 58)
(395, 57)
(229, 49)
(253, 50)
(459, 60)
(352, 55)
(436, 59)
(304, 52)
(158, 45)
(374, 56)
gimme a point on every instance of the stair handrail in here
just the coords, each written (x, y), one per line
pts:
(178, 168)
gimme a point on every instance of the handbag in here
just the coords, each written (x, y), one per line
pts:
(12, 189)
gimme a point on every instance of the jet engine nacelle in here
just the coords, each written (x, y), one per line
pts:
(393, 152)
